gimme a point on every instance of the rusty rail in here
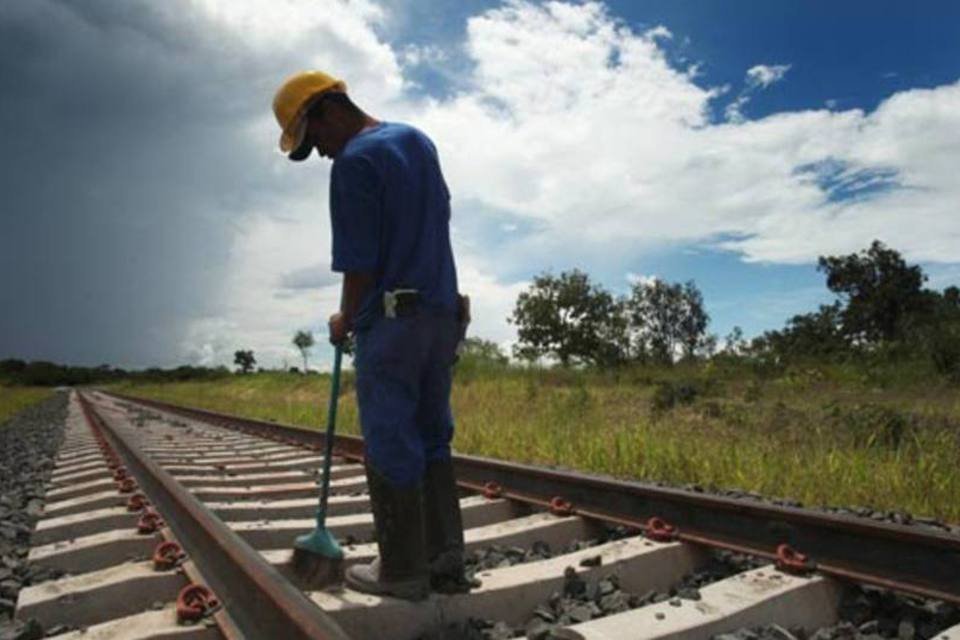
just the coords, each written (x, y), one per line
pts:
(904, 558)
(259, 600)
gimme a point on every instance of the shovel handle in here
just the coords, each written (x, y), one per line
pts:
(331, 427)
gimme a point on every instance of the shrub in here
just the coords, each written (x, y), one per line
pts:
(667, 395)
(945, 353)
(873, 425)
(711, 409)
(753, 392)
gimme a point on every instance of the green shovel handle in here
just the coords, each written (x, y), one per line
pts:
(331, 426)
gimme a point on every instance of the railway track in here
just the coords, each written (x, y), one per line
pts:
(171, 522)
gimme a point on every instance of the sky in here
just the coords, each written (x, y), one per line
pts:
(148, 219)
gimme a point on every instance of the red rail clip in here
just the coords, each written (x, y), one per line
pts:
(660, 530)
(149, 522)
(120, 473)
(127, 485)
(492, 490)
(137, 502)
(561, 506)
(194, 602)
(789, 560)
(167, 555)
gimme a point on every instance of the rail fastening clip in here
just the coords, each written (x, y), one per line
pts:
(194, 602)
(660, 530)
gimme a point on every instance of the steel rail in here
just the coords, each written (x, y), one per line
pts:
(923, 562)
(260, 601)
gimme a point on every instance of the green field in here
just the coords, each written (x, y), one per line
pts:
(826, 435)
(13, 399)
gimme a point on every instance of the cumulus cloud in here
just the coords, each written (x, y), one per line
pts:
(612, 158)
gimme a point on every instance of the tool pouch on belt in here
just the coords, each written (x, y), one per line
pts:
(463, 318)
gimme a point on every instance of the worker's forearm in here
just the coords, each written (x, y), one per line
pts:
(355, 286)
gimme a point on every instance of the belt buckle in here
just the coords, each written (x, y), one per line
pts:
(390, 299)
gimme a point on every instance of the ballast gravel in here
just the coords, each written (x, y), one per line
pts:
(499, 556)
(868, 613)
(583, 599)
(28, 446)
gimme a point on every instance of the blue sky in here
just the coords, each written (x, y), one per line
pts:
(149, 219)
(841, 56)
(856, 53)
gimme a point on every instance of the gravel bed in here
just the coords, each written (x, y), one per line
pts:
(28, 446)
(583, 599)
(868, 613)
(498, 556)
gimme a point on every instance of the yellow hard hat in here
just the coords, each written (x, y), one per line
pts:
(294, 98)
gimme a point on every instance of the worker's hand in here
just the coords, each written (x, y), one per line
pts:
(339, 328)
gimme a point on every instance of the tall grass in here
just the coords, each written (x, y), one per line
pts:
(14, 399)
(824, 436)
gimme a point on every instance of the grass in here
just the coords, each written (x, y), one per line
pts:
(14, 399)
(824, 436)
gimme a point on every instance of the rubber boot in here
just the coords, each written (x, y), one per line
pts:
(444, 532)
(401, 569)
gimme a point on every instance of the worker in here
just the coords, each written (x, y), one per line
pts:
(390, 217)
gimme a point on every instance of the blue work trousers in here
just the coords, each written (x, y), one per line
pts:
(404, 368)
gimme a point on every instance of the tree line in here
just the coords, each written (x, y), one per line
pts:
(42, 373)
(881, 306)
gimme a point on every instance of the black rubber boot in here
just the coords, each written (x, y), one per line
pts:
(401, 569)
(444, 529)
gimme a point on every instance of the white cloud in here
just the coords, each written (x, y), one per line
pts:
(582, 128)
(764, 75)
(758, 77)
(639, 278)
(659, 31)
(415, 54)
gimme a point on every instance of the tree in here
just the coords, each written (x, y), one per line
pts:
(879, 291)
(666, 320)
(303, 340)
(951, 298)
(568, 318)
(245, 360)
(816, 334)
(735, 344)
(936, 331)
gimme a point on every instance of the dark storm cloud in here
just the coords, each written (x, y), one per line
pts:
(122, 168)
